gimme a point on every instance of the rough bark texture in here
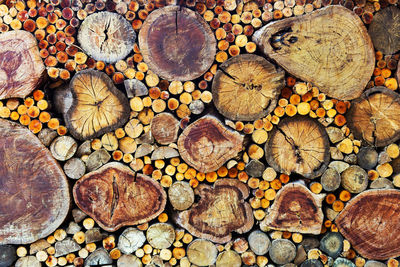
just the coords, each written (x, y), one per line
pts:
(177, 43)
(206, 144)
(164, 128)
(298, 145)
(384, 30)
(329, 47)
(370, 222)
(375, 116)
(296, 209)
(34, 194)
(21, 67)
(115, 196)
(247, 87)
(221, 210)
(106, 36)
(95, 106)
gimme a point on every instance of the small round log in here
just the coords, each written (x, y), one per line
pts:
(74, 168)
(228, 258)
(367, 158)
(332, 244)
(160, 235)
(259, 242)
(21, 67)
(106, 36)
(221, 210)
(375, 116)
(330, 180)
(63, 148)
(114, 196)
(370, 222)
(177, 43)
(34, 193)
(282, 251)
(329, 47)
(97, 106)
(206, 144)
(181, 195)
(296, 209)
(164, 128)
(202, 252)
(246, 87)
(354, 179)
(298, 145)
(384, 30)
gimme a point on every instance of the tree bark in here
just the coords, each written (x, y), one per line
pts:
(329, 47)
(247, 87)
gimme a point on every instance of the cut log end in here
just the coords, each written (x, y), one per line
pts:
(164, 128)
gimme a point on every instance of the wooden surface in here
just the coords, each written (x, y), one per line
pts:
(177, 43)
(96, 107)
(164, 128)
(246, 87)
(207, 144)
(329, 47)
(375, 116)
(21, 67)
(115, 196)
(370, 222)
(222, 209)
(34, 193)
(298, 145)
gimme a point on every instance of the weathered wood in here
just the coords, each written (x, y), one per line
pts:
(106, 36)
(296, 209)
(221, 210)
(332, 244)
(206, 144)
(202, 252)
(370, 222)
(375, 116)
(246, 87)
(34, 194)
(329, 47)
(109, 196)
(21, 67)
(177, 43)
(160, 235)
(354, 179)
(384, 30)
(228, 258)
(282, 251)
(63, 148)
(181, 195)
(259, 242)
(97, 106)
(164, 128)
(298, 145)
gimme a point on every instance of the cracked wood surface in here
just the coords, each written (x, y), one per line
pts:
(246, 87)
(222, 209)
(298, 145)
(296, 209)
(114, 196)
(375, 116)
(106, 36)
(177, 43)
(34, 193)
(21, 67)
(370, 221)
(329, 47)
(95, 106)
(207, 144)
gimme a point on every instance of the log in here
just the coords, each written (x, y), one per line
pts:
(384, 28)
(282, 251)
(63, 148)
(375, 117)
(34, 193)
(114, 196)
(74, 168)
(177, 43)
(202, 252)
(354, 179)
(206, 144)
(298, 145)
(21, 67)
(331, 43)
(228, 258)
(164, 128)
(106, 36)
(247, 87)
(221, 210)
(97, 106)
(370, 222)
(332, 244)
(259, 242)
(160, 235)
(181, 195)
(296, 209)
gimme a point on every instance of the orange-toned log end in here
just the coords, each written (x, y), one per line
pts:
(206, 144)
(296, 209)
(114, 196)
(370, 221)
(21, 67)
(177, 43)
(34, 200)
(222, 209)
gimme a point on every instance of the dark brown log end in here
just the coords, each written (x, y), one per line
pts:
(114, 196)
(164, 128)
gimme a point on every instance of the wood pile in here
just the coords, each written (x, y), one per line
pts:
(199, 133)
